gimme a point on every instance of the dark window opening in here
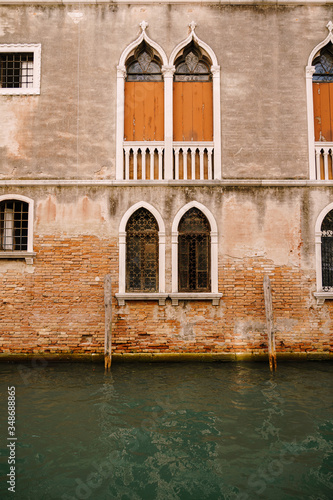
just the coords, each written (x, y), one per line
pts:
(327, 252)
(14, 225)
(324, 65)
(192, 66)
(142, 252)
(16, 70)
(144, 65)
(194, 252)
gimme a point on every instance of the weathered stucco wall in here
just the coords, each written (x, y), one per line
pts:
(68, 131)
(57, 305)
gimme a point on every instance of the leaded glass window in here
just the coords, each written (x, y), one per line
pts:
(327, 252)
(324, 65)
(194, 252)
(192, 66)
(14, 225)
(144, 66)
(142, 252)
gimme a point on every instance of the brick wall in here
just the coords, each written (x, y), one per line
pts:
(58, 306)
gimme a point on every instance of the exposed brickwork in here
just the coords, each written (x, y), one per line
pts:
(59, 307)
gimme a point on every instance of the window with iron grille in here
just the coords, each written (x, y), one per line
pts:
(20, 69)
(16, 70)
(14, 216)
(142, 252)
(194, 252)
(327, 252)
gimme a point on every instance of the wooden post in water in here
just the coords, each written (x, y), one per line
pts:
(269, 322)
(108, 322)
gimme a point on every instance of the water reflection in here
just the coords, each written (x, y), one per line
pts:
(171, 431)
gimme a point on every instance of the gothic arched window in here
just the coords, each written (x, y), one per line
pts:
(323, 94)
(194, 252)
(142, 252)
(144, 96)
(327, 252)
(14, 219)
(192, 96)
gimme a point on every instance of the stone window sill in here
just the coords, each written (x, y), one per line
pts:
(175, 297)
(28, 256)
(122, 297)
(214, 297)
(322, 296)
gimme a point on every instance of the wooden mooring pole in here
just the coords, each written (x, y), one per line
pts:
(269, 322)
(108, 322)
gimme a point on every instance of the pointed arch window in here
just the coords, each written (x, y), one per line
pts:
(144, 97)
(168, 111)
(192, 97)
(196, 109)
(194, 252)
(324, 255)
(144, 66)
(142, 252)
(327, 252)
(16, 228)
(320, 109)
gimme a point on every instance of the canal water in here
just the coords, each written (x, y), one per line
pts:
(169, 431)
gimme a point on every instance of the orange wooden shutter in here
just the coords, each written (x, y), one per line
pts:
(144, 111)
(323, 111)
(192, 111)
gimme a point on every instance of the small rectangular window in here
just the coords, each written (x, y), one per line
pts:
(14, 215)
(16, 70)
(20, 69)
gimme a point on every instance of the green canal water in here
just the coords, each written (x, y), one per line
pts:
(169, 431)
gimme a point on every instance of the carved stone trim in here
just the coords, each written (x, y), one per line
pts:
(28, 256)
(322, 296)
(121, 72)
(76, 16)
(123, 297)
(214, 297)
(309, 71)
(168, 71)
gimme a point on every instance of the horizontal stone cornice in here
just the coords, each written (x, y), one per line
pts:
(81, 3)
(174, 183)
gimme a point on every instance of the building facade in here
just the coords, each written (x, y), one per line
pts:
(183, 147)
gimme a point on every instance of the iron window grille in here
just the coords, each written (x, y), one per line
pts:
(327, 252)
(14, 216)
(194, 252)
(16, 70)
(142, 252)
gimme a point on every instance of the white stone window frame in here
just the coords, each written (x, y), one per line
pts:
(121, 75)
(36, 49)
(122, 296)
(28, 254)
(215, 70)
(168, 70)
(214, 295)
(320, 295)
(310, 69)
